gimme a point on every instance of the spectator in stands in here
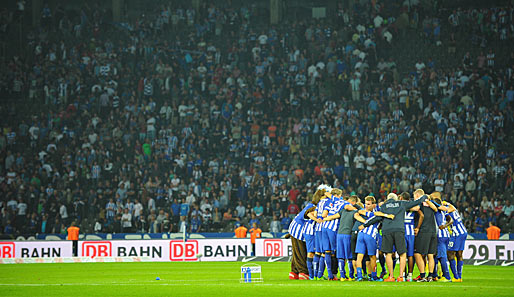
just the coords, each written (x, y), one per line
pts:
(286, 220)
(240, 231)
(507, 209)
(493, 232)
(126, 219)
(195, 224)
(254, 220)
(480, 223)
(241, 210)
(275, 226)
(258, 210)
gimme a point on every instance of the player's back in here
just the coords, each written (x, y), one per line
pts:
(428, 224)
(458, 227)
(319, 211)
(440, 218)
(409, 223)
(346, 221)
(300, 217)
(296, 228)
(334, 208)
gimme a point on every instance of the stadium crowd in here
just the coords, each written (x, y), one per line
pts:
(201, 120)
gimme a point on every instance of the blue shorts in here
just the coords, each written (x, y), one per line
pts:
(379, 241)
(409, 242)
(442, 246)
(310, 242)
(317, 242)
(329, 239)
(344, 250)
(366, 244)
(457, 242)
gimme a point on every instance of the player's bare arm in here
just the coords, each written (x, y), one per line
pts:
(420, 221)
(415, 208)
(381, 214)
(358, 217)
(312, 215)
(362, 212)
(431, 205)
(332, 217)
(449, 221)
(451, 208)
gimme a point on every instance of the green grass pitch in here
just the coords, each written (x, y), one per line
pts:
(222, 279)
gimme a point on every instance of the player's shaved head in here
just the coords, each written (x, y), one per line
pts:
(418, 193)
(392, 196)
(436, 195)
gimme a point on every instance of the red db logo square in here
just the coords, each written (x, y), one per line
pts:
(273, 248)
(6, 249)
(183, 251)
(94, 249)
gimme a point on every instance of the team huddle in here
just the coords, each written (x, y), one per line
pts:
(336, 233)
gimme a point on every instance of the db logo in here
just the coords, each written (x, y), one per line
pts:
(273, 248)
(183, 251)
(6, 249)
(94, 249)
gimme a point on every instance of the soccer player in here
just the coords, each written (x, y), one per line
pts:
(329, 229)
(308, 231)
(443, 237)
(319, 256)
(343, 243)
(358, 220)
(410, 233)
(456, 243)
(393, 231)
(425, 244)
(299, 268)
(367, 240)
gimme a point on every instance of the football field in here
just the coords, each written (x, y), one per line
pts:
(222, 279)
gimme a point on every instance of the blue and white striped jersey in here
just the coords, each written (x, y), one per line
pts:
(409, 223)
(296, 227)
(371, 230)
(334, 208)
(458, 227)
(440, 219)
(319, 210)
(377, 208)
(300, 217)
(308, 227)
